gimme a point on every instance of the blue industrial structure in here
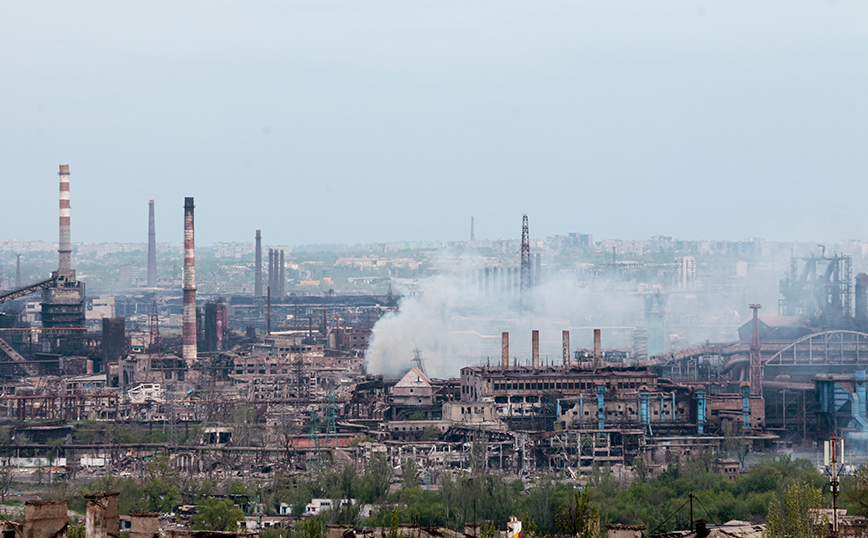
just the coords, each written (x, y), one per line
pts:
(841, 398)
(643, 411)
(700, 410)
(745, 406)
(601, 412)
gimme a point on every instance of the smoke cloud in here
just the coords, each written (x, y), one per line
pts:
(454, 319)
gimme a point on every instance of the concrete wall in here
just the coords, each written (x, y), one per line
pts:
(101, 518)
(45, 519)
(144, 525)
(625, 531)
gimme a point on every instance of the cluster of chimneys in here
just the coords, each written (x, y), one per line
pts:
(504, 350)
(64, 251)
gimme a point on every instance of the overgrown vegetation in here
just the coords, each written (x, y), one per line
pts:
(777, 491)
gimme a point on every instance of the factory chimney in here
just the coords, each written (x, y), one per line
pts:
(504, 351)
(271, 265)
(17, 271)
(598, 350)
(257, 282)
(525, 282)
(566, 350)
(64, 249)
(535, 349)
(281, 275)
(189, 312)
(472, 232)
(152, 247)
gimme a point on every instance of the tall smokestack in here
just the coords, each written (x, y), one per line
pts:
(257, 282)
(598, 350)
(504, 351)
(566, 346)
(271, 265)
(472, 232)
(535, 349)
(64, 249)
(152, 247)
(18, 273)
(281, 275)
(525, 282)
(189, 313)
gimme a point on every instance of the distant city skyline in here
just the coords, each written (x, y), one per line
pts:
(348, 123)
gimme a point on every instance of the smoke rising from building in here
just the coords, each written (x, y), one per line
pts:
(457, 317)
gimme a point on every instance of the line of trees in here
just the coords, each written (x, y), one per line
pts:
(778, 491)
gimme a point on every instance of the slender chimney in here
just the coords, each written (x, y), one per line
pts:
(271, 264)
(152, 247)
(64, 249)
(598, 350)
(189, 312)
(257, 282)
(268, 313)
(504, 351)
(535, 349)
(566, 351)
(18, 272)
(472, 232)
(281, 275)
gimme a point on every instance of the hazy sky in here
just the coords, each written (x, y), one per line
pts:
(360, 121)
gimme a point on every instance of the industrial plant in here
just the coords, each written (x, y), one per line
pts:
(328, 375)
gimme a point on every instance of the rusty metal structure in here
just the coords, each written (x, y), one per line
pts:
(821, 291)
(756, 367)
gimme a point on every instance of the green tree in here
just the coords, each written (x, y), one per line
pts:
(377, 479)
(856, 491)
(217, 515)
(795, 515)
(409, 472)
(162, 487)
(579, 518)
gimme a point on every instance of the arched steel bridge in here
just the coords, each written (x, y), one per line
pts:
(826, 347)
(839, 348)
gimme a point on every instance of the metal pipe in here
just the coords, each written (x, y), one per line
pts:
(535, 349)
(504, 351)
(189, 312)
(64, 249)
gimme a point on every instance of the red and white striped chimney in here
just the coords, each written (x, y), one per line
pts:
(64, 248)
(189, 312)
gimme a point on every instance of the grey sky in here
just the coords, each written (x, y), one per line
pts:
(364, 121)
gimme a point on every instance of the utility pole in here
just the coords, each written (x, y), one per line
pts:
(831, 451)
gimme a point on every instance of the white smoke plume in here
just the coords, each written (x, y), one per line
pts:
(454, 322)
